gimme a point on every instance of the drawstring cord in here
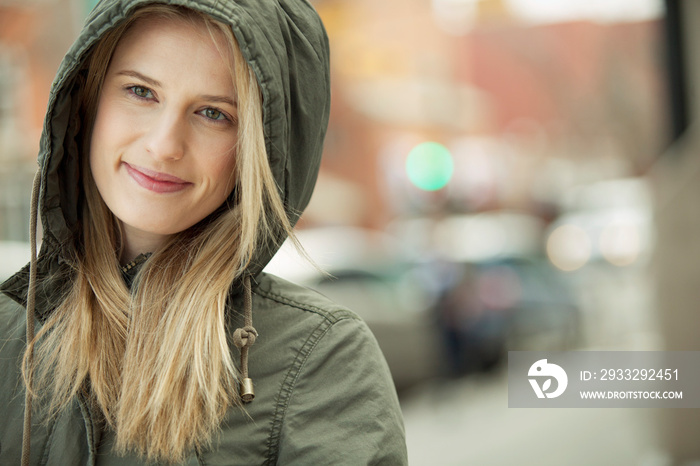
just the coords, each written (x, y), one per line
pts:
(244, 338)
(31, 301)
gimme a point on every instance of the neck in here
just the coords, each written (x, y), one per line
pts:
(139, 242)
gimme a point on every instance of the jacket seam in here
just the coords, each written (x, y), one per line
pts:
(287, 389)
(89, 428)
(346, 314)
(49, 444)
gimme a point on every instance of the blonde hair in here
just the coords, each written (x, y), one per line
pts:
(114, 344)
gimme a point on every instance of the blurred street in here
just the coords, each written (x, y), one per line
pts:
(467, 421)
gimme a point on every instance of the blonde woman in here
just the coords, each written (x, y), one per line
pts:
(181, 143)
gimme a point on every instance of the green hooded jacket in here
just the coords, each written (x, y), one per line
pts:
(323, 390)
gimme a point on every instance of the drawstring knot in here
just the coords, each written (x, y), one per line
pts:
(244, 337)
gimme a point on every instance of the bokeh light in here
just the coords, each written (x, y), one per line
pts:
(620, 244)
(569, 247)
(429, 166)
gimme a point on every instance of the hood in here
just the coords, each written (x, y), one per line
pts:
(285, 44)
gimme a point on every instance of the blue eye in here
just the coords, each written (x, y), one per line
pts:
(141, 92)
(214, 114)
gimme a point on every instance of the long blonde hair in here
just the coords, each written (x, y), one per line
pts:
(114, 344)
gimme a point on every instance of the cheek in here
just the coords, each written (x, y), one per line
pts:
(99, 141)
(114, 127)
(219, 169)
(223, 175)
(96, 149)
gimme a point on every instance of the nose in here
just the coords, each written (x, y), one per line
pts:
(166, 137)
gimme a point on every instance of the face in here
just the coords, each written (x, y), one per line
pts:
(162, 148)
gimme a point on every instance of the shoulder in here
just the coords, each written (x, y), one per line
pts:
(12, 319)
(323, 391)
(286, 296)
(13, 328)
(289, 315)
(296, 325)
(334, 398)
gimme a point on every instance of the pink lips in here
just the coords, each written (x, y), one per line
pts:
(156, 181)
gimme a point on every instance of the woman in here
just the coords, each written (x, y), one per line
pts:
(181, 144)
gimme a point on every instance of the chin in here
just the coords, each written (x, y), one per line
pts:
(165, 228)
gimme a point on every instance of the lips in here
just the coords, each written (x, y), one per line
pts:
(156, 181)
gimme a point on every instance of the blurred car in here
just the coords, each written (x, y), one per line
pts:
(505, 304)
(366, 272)
(495, 289)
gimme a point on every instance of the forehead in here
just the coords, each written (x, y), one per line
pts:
(175, 45)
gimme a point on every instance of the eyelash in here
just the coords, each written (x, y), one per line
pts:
(225, 119)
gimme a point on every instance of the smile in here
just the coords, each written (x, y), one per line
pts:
(156, 181)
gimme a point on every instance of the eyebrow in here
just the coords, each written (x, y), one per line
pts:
(155, 83)
(220, 99)
(137, 75)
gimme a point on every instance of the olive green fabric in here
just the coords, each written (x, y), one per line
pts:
(323, 394)
(323, 391)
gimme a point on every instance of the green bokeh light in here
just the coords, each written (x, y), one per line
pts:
(429, 166)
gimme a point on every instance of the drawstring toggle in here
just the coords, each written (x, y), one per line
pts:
(247, 391)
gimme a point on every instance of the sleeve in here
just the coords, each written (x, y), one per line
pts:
(344, 409)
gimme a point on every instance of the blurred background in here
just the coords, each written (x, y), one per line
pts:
(498, 175)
